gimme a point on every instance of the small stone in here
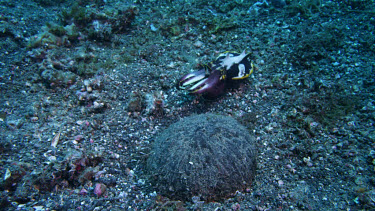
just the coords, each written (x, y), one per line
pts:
(100, 188)
(83, 192)
(171, 65)
(98, 105)
(15, 123)
(335, 130)
(78, 137)
(236, 206)
(198, 44)
(55, 140)
(153, 28)
(89, 89)
(115, 155)
(7, 174)
(313, 124)
(52, 158)
(34, 118)
(37, 208)
(306, 159)
(129, 172)
(86, 82)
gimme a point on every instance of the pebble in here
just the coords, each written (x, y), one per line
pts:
(86, 82)
(171, 65)
(36, 208)
(307, 161)
(153, 28)
(198, 44)
(98, 105)
(7, 174)
(100, 188)
(34, 118)
(78, 137)
(83, 192)
(89, 89)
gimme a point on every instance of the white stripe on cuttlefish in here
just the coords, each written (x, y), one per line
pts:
(228, 61)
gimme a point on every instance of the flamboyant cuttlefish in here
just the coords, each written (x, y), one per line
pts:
(212, 79)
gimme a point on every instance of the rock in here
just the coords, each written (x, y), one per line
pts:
(100, 188)
(198, 44)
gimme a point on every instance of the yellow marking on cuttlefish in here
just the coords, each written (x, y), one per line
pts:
(247, 75)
